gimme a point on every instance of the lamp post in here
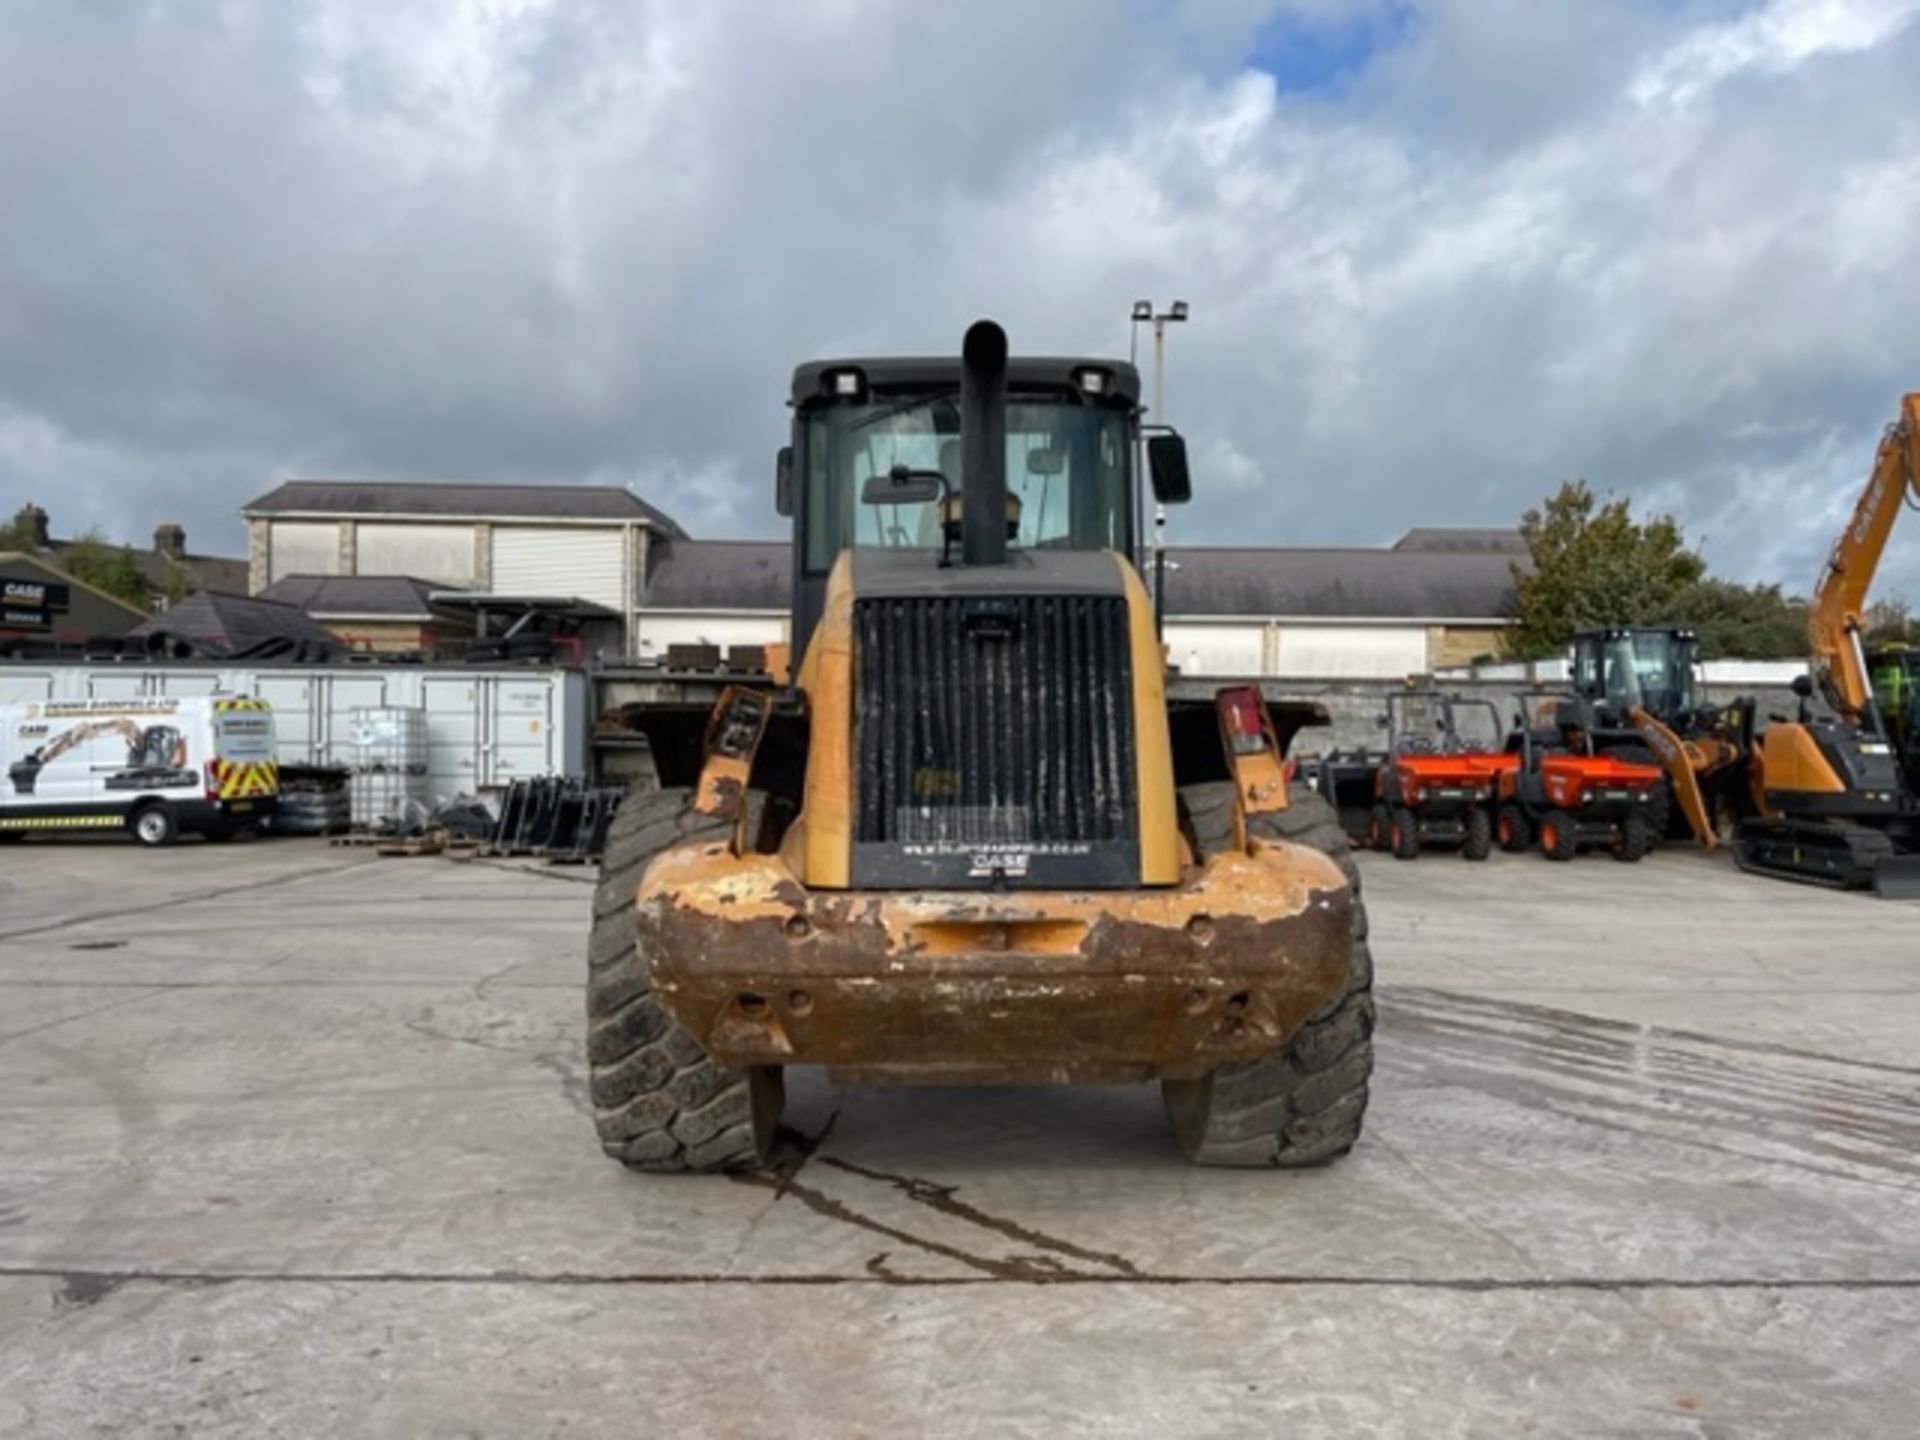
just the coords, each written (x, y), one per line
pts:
(1146, 313)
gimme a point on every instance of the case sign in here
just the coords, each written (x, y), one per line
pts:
(30, 604)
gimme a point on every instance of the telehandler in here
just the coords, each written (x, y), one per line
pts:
(975, 840)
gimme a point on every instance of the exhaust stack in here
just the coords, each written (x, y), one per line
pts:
(983, 445)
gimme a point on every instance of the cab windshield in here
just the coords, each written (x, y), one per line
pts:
(1067, 474)
(1650, 670)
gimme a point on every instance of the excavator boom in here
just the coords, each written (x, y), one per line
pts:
(1838, 615)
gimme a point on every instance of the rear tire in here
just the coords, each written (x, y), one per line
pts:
(1559, 836)
(1516, 834)
(1380, 833)
(1479, 842)
(659, 1101)
(1405, 833)
(1302, 1105)
(153, 825)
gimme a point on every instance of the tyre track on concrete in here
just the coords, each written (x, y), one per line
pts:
(174, 902)
(1826, 1115)
(94, 1284)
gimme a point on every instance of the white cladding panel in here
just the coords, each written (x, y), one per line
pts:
(1290, 650)
(561, 560)
(430, 552)
(1352, 652)
(658, 631)
(1218, 648)
(302, 547)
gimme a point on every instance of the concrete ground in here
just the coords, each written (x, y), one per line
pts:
(292, 1142)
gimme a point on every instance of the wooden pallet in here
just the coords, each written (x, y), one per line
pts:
(421, 845)
(432, 843)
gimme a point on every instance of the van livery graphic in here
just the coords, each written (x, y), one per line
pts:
(156, 755)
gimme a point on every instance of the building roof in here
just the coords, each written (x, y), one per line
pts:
(192, 572)
(1397, 584)
(1463, 540)
(214, 625)
(16, 561)
(458, 501)
(1340, 584)
(357, 597)
(720, 575)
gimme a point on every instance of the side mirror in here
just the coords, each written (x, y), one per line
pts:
(1167, 465)
(783, 481)
(1802, 685)
(901, 486)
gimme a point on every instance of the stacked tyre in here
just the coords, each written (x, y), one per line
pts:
(312, 810)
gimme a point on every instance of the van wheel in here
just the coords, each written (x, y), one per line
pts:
(154, 825)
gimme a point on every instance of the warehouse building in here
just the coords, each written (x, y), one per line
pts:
(590, 543)
(1436, 598)
(402, 567)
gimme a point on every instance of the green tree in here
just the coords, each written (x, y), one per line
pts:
(111, 568)
(1746, 622)
(1594, 564)
(1890, 622)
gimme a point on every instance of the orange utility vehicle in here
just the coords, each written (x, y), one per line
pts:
(1435, 783)
(1562, 792)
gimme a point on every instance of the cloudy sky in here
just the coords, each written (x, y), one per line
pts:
(1441, 254)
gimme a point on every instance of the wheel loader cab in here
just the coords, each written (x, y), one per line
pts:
(1653, 667)
(972, 862)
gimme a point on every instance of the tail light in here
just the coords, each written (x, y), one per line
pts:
(212, 781)
(1243, 720)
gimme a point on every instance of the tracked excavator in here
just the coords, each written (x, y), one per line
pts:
(977, 840)
(1837, 804)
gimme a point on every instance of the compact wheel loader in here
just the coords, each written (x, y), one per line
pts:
(975, 840)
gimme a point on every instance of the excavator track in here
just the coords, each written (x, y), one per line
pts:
(1839, 857)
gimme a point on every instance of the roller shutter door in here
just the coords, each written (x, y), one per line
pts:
(555, 560)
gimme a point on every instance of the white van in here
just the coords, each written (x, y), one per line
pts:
(157, 767)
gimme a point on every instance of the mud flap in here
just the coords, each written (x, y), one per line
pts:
(1897, 877)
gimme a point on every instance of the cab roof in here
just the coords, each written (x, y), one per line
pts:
(941, 372)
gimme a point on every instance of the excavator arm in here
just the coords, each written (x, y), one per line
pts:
(1686, 762)
(1838, 614)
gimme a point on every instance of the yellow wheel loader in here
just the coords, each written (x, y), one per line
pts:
(974, 840)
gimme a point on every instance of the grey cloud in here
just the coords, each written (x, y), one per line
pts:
(589, 240)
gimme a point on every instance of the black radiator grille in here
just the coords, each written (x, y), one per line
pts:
(993, 721)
